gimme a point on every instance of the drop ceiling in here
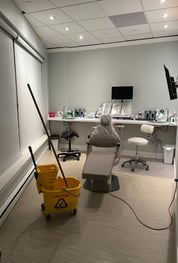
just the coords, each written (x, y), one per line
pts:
(75, 23)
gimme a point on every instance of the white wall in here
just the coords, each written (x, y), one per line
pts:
(9, 139)
(84, 78)
(17, 20)
(23, 60)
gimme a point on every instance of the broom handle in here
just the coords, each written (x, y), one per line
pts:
(49, 139)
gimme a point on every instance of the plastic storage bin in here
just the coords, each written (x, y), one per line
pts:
(52, 114)
(169, 152)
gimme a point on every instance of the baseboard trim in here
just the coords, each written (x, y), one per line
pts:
(21, 174)
(124, 153)
(14, 196)
(147, 155)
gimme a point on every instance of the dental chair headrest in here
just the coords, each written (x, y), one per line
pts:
(105, 120)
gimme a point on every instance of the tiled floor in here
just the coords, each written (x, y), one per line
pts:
(156, 168)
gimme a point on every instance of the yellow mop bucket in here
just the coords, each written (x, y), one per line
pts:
(46, 175)
(59, 198)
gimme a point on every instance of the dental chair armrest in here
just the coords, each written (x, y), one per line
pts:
(89, 148)
(117, 154)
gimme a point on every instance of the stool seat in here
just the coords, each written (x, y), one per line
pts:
(69, 134)
(75, 154)
(137, 141)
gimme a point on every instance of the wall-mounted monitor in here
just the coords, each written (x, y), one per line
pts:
(170, 84)
(122, 93)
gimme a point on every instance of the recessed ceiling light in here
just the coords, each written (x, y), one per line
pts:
(81, 37)
(67, 29)
(165, 15)
(162, 1)
(52, 17)
(165, 26)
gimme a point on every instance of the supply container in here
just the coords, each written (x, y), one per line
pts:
(52, 114)
(169, 153)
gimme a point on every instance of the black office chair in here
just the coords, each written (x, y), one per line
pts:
(75, 154)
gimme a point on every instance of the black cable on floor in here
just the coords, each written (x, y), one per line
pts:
(142, 223)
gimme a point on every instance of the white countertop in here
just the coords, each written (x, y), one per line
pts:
(115, 121)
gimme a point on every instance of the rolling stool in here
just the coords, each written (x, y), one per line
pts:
(139, 141)
(68, 135)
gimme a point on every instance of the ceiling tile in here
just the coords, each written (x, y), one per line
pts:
(43, 17)
(139, 36)
(44, 31)
(97, 23)
(63, 3)
(34, 22)
(87, 38)
(84, 11)
(158, 15)
(158, 27)
(112, 39)
(56, 39)
(155, 4)
(128, 19)
(34, 5)
(106, 33)
(117, 7)
(134, 30)
(53, 43)
(164, 34)
(73, 27)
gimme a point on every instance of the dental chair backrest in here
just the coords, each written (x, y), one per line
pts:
(104, 134)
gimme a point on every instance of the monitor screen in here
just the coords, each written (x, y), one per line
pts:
(122, 93)
(170, 84)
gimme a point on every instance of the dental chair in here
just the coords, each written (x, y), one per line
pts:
(101, 156)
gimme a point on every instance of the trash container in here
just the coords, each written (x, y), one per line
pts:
(169, 152)
(55, 141)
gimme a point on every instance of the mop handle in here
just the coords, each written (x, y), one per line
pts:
(33, 159)
(47, 133)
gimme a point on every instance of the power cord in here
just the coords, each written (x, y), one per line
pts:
(142, 223)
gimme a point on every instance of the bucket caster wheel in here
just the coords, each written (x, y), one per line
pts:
(74, 212)
(43, 206)
(48, 217)
(133, 169)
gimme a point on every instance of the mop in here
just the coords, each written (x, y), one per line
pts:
(47, 133)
